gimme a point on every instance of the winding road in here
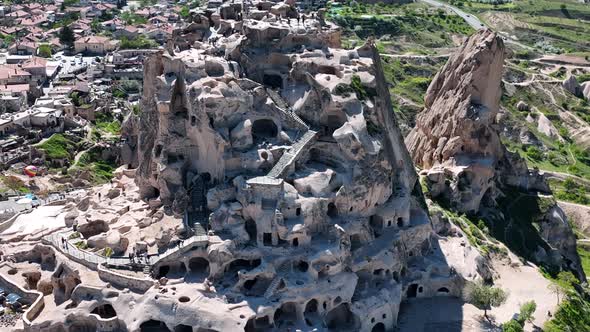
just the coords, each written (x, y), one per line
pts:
(473, 21)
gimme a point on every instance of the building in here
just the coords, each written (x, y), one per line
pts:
(94, 45)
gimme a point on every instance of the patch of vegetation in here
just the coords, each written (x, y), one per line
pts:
(408, 80)
(44, 51)
(573, 314)
(107, 123)
(58, 147)
(417, 22)
(75, 235)
(571, 191)
(361, 91)
(475, 229)
(526, 313)
(130, 18)
(15, 184)
(101, 170)
(140, 42)
(81, 245)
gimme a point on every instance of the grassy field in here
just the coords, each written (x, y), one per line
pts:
(58, 147)
(553, 25)
(414, 25)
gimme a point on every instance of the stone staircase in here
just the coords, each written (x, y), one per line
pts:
(272, 287)
(290, 156)
(286, 110)
(283, 269)
(197, 217)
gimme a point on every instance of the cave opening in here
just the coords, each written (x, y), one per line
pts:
(264, 129)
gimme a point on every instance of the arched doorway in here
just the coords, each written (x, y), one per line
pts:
(153, 326)
(273, 81)
(379, 327)
(199, 269)
(412, 291)
(251, 230)
(183, 328)
(105, 311)
(341, 318)
(286, 314)
(312, 318)
(264, 128)
(332, 210)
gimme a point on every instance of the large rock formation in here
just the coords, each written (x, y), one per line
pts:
(464, 163)
(271, 146)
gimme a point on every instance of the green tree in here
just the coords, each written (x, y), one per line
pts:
(44, 51)
(527, 310)
(485, 297)
(13, 183)
(184, 12)
(512, 326)
(95, 25)
(66, 36)
(534, 153)
(555, 289)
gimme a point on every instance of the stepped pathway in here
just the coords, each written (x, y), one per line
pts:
(283, 269)
(305, 140)
(196, 217)
(284, 107)
(290, 156)
(94, 259)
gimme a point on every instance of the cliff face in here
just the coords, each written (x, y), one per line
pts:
(463, 98)
(465, 165)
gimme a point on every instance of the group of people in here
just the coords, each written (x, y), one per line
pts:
(134, 255)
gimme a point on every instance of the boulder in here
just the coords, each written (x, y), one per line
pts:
(70, 218)
(586, 90)
(111, 239)
(571, 85)
(83, 204)
(44, 286)
(241, 135)
(91, 227)
(113, 193)
(522, 106)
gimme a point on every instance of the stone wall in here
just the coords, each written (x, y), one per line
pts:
(33, 298)
(5, 225)
(140, 284)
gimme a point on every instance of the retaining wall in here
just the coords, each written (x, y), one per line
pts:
(32, 297)
(122, 280)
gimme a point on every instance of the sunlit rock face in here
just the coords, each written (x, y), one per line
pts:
(456, 143)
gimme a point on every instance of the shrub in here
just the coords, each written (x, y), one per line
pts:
(512, 326)
(526, 312)
(534, 153)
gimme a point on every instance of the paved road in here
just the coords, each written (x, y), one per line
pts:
(472, 20)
